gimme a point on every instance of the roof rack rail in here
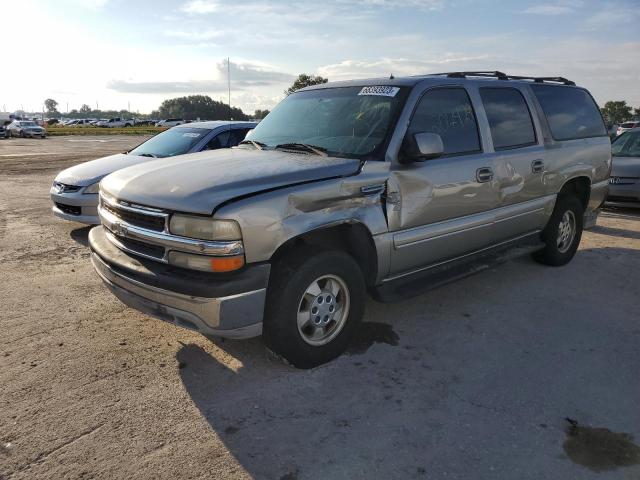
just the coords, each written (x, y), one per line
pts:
(504, 76)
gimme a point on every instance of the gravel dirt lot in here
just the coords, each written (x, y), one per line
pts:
(474, 380)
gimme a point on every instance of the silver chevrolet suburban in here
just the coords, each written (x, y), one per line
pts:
(384, 186)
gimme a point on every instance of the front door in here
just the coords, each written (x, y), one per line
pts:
(441, 209)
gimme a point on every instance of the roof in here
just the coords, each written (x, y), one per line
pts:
(214, 124)
(447, 77)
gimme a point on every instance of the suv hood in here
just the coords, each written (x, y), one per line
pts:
(95, 170)
(199, 182)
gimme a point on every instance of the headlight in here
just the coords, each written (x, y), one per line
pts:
(204, 228)
(205, 263)
(93, 188)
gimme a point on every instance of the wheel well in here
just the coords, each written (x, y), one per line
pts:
(353, 238)
(580, 187)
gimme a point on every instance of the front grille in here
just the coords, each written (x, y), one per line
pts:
(141, 220)
(145, 249)
(619, 198)
(69, 209)
(64, 188)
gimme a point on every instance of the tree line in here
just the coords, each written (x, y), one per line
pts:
(190, 107)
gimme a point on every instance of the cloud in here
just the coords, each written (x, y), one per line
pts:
(383, 67)
(200, 7)
(558, 8)
(612, 18)
(243, 76)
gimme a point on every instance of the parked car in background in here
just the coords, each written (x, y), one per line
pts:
(75, 190)
(26, 128)
(170, 122)
(4, 133)
(5, 119)
(624, 183)
(116, 123)
(626, 126)
(384, 185)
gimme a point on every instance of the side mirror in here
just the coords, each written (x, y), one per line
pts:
(421, 146)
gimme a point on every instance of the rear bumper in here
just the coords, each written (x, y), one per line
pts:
(230, 306)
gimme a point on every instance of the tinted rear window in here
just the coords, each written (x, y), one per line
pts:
(571, 112)
(628, 125)
(509, 118)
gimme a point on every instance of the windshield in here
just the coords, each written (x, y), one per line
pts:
(627, 145)
(175, 141)
(27, 124)
(345, 121)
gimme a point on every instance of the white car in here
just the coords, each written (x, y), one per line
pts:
(74, 192)
(170, 122)
(627, 126)
(116, 123)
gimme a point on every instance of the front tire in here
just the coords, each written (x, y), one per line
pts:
(563, 232)
(315, 301)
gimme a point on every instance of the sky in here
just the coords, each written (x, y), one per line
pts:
(121, 53)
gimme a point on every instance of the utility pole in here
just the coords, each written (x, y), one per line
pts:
(229, 85)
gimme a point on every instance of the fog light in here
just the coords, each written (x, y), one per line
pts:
(206, 263)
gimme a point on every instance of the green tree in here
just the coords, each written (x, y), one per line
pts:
(198, 106)
(305, 80)
(85, 108)
(636, 112)
(616, 111)
(260, 114)
(51, 105)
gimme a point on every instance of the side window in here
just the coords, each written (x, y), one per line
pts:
(237, 136)
(509, 118)
(219, 141)
(448, 112)
(570, 111)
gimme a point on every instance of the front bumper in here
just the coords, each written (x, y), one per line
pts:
(624, 194)
(76, 206)
(34, 134)
(228, 306)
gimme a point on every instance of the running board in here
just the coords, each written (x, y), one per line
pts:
(422, 281)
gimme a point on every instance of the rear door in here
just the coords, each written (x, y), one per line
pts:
(440, 209)
(519, 161)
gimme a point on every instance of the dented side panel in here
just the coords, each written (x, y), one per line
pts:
(270, 219)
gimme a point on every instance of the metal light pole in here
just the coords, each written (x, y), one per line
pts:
(229, 85)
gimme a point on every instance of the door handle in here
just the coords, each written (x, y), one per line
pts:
(537, 166)
(484, 174)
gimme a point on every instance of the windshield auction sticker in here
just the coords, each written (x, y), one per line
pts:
(380, 91)
(191, 135)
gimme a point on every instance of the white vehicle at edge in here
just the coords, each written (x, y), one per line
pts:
(170, 122)
(117, 122)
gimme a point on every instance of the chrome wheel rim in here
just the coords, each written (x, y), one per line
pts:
(566, 231)
(323, 310)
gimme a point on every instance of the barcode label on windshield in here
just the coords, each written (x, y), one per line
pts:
(380, 91)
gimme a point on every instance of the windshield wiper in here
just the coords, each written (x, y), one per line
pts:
(148, 155)
(305, 147)
(256, 145)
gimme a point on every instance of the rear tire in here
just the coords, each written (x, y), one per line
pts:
(315, 302)
(563, 232)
